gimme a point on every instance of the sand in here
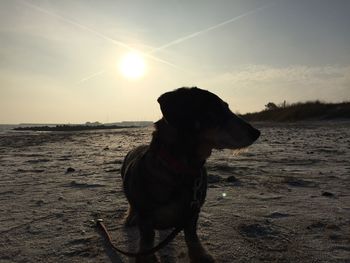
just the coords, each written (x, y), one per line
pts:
(285, 199)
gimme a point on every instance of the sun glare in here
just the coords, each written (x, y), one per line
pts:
(132, 65)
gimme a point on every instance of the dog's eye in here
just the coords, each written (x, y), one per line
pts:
(213, 119)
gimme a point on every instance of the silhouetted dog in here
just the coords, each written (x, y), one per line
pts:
(166, 182)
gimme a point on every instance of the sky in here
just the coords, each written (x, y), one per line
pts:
(60, 59)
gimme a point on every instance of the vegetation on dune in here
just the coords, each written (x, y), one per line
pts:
(311, 110)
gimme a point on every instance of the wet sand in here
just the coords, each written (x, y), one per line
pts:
(285, 199)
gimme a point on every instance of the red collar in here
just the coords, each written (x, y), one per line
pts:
(174, 163)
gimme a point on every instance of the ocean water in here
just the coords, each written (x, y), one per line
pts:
(6, 128)
(308, 147)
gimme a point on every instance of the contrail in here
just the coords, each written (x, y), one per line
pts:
(148, 54)
(91, 76)
(115, 42)
(69, 21)
(182, 39)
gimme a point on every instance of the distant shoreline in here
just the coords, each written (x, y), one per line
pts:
(283, 112)
(72, 127)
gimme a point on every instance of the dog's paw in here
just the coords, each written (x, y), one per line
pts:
(206, 258)
(201, 258)
(147, 259)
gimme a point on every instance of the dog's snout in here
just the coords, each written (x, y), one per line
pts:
(254, 134)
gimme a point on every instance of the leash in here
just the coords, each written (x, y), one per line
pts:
(194, 206)
(170, 237)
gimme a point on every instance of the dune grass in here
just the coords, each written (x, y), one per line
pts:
(311, 110)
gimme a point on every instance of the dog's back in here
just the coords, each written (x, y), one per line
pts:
(133, 157)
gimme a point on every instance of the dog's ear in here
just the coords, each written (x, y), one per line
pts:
(176, 107)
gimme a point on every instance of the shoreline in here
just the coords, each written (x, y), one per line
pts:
(72, 128)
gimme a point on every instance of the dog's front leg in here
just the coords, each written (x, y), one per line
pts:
(146, 239)
(196, 251)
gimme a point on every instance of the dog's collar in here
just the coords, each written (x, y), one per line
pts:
(174, 163)
(196, 175)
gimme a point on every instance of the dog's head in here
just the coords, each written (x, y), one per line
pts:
(198, 111)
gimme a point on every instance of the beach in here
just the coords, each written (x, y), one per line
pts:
(284, 199)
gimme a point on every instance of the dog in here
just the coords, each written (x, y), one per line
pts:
(165, 182)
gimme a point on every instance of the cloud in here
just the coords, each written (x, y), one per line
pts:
(297, 74)
(257, 84)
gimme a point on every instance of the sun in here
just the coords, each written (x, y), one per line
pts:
(132, 65)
